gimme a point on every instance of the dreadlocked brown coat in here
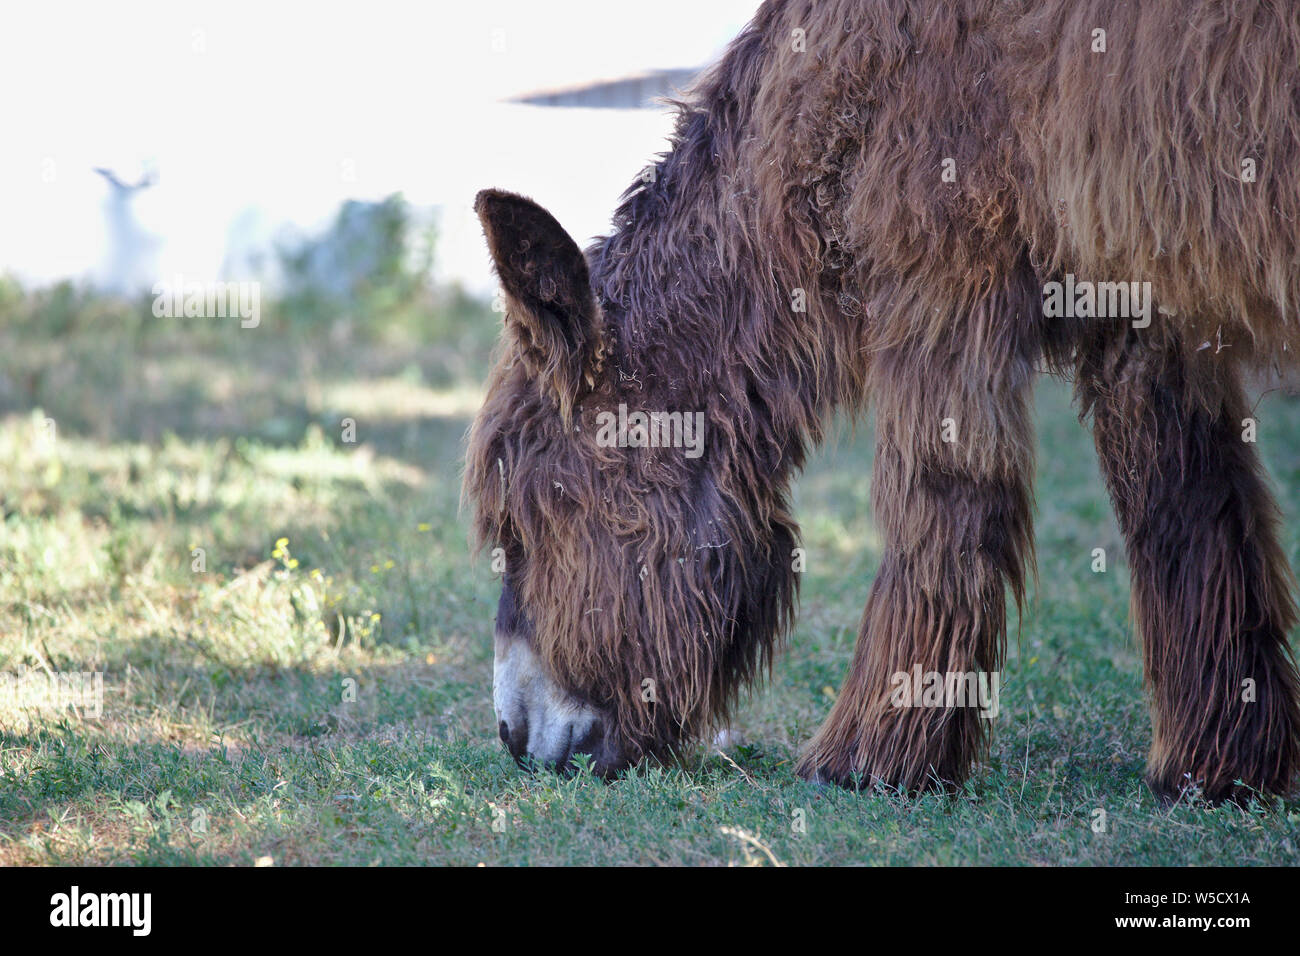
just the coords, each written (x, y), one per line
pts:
(807, 170)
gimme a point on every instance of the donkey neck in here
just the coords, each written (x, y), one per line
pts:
(702, 312)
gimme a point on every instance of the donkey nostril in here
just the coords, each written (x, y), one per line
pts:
(591, 739)
(514, 737)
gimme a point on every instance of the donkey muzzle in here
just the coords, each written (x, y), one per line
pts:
(542, 724)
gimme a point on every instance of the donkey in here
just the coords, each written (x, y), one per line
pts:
(869, 201)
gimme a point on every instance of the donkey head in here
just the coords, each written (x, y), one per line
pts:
(641, 586)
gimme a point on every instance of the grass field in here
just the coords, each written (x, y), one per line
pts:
(296, 648)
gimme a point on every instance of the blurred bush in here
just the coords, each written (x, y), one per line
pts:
(367, 278)
(364, 281)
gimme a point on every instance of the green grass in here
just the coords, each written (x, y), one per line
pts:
(229, 732)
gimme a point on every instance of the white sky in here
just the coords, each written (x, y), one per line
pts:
(275, 113)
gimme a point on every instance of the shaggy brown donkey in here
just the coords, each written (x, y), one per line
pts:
(871, 200)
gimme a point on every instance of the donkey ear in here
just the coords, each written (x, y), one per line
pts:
(545, 279)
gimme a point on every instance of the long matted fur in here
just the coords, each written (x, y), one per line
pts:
(807, 167)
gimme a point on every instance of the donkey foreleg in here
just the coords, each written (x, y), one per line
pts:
(951, 490)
